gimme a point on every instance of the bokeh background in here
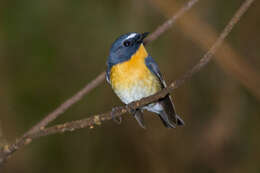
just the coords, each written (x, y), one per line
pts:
(51, 49)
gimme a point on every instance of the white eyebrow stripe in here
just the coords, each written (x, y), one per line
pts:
(131, 36)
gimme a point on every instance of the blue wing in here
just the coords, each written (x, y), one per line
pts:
(168, 111)
(153, 67)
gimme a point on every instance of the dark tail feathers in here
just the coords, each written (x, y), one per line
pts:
(168, 123)
(168, 115)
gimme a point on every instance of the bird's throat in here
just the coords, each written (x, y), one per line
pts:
(140, 54)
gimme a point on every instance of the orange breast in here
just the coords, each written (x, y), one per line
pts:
(132, 80)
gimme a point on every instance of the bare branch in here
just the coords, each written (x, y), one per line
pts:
(167, 25)
(67, 104)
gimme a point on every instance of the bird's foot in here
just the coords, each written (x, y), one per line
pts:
(137, 113)
(117, 119)
(130, 109)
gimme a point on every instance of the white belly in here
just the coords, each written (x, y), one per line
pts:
(136, 92)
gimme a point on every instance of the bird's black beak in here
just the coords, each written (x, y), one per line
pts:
(142, 37)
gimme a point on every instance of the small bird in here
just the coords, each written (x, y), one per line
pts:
(133, 75)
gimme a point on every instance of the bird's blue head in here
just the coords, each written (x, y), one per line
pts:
(124, 47)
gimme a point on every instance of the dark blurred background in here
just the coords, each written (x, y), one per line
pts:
(51, 49)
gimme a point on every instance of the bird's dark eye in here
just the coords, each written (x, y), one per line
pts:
(127, 43)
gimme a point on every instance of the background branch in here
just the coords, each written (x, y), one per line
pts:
(97, 119)
(167, 25)
(229, 59)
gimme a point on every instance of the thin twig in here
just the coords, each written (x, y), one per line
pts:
(167, 25)
(97, 119)
(93, 84)
(67, 104)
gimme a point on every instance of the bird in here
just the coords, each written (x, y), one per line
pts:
(133, 74)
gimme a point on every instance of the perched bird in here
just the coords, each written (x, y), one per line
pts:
(133, 75)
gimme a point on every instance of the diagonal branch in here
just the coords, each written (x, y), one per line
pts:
(100, 78)
(167, 24)
(90, 86)
(98, 119)
(67, 104)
